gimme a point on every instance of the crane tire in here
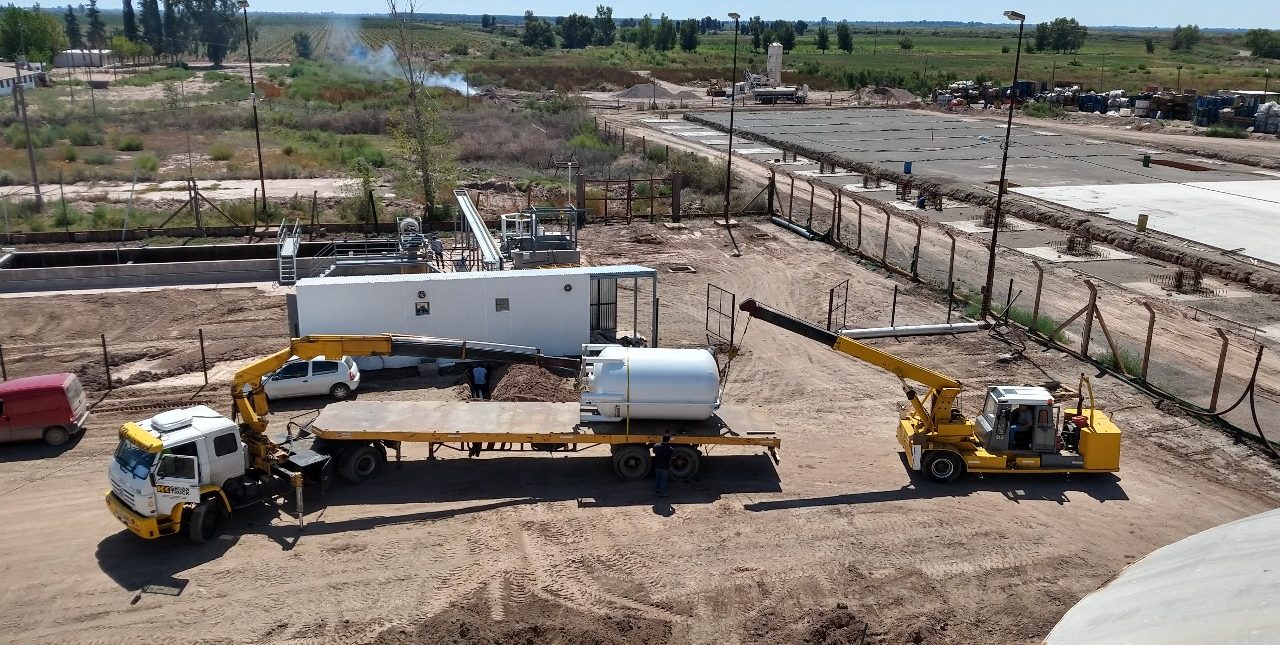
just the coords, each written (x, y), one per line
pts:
(943, 466)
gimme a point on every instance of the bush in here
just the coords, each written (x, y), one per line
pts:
(460, 49)
(148, 163)
(221, 152)
(131, 143)
(289, 150)
(1043, 111)
(16, 135)
(99, 158)
(80, 135)
(69, 154)
(219, 77)
(1226, 132)
(588, 141)
(906, 43)
(699, 173)
(7, 178)
(64, 216)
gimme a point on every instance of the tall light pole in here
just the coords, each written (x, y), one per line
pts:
(253, 98)
(1004, 163)
(728, 166)
(1179, 79)
(1266, 84)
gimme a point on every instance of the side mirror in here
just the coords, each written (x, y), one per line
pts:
(152, 478)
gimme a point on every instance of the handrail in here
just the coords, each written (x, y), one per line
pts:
(490, 256)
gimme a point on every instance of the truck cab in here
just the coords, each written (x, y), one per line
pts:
(1019, 419)
(172, 463)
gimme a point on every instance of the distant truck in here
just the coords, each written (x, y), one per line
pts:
(52, 408)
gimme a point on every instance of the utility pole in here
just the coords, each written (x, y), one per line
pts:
(253, 99)
(31, 150)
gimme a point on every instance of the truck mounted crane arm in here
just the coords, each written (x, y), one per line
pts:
(251, 401)
(942, 389)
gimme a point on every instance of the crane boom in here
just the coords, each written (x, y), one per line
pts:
(943, 389)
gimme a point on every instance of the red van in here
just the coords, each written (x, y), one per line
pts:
(51, 407)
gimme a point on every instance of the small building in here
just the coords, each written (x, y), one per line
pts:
(553, 310)
(9, 77)
(82, 58)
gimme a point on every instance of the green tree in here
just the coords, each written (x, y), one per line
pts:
(665, 38)
(71, 25)
(130, 29)
(1042, 38)
(538, 33)
(576, 31)
(487, 22)
(1185, 38)
(171, 44)
(96, 34)
(152, 28)
(787, 37)
(1063, 35)
(1263, 43)
(32, 33)
(844, 38)
(217, 28)
(905, 42)
(605, 29)
(1150, 44)
(823, 39)
(801, 27)
(756, 27)
(302, 44)
(644, 32)
(689, 35)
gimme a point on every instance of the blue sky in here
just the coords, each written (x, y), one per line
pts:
(1166, 13)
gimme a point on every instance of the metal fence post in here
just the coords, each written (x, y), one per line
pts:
(884, 250)
(4, 373)
(204, 365)
(1222, 363)
(106, 363)
(1151, 328)
(951, 262)
(915, 255)
(893, 311)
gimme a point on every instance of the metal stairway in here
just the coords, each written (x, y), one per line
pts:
(288, 241)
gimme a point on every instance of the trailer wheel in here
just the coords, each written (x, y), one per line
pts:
(360, 464)
(56, 435)
(943, 467)
(684, 463)
(631, 462)
(202, 524)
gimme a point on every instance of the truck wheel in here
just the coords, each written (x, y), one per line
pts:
(631, 463)
(684, 463)
(202, 523)
(943, 467)
(340, 392)
(360, 464)
(56, 435)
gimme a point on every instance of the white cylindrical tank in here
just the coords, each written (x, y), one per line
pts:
(655, 383)
(774, 65)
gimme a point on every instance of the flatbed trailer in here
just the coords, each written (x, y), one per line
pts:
(476, 427)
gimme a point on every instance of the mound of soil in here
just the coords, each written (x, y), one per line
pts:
(530, 622)
(645, 91)
(531, 383)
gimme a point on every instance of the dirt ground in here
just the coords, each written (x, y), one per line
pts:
(836, 543)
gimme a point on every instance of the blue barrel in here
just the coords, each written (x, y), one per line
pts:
(906, 167)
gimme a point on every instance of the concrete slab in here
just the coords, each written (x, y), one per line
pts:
(757, 151)
(1225, 214)
(1053, 255)
(975, 226)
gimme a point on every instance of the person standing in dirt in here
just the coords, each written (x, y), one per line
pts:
(662, 464)
(479, 382)
(437, 250)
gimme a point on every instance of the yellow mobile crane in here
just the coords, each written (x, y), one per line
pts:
(1020, 429)
(187, 469)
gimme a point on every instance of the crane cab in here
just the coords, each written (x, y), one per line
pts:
(1019, 419)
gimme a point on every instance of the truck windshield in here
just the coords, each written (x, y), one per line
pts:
(133, 459)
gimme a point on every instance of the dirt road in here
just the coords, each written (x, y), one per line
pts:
(551, 548)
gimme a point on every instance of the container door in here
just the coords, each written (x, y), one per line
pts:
(177, 481)
(5, 434)
(604, 304)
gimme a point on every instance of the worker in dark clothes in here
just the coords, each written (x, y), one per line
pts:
(479, 382)
(662, 464)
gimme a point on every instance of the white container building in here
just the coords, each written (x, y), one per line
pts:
(555, 310)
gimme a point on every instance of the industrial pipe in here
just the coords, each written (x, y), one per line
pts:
(795, 228)
(914, 330)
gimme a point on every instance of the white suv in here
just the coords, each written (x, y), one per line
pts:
(315, 377)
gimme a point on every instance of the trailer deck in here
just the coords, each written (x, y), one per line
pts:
(529, 423)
